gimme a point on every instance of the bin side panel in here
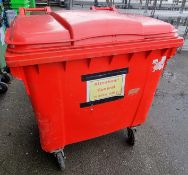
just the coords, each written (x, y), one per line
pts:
(45, 83)
(18, 72)
(158, 58)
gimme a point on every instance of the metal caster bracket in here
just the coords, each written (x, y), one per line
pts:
(131, 136)
(60, 156)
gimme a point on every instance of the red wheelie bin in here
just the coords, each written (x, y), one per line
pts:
(88, 73)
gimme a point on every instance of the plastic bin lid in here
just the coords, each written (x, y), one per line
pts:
(66, 26)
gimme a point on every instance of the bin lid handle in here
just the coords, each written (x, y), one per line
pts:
(112, 8)
(22, 11)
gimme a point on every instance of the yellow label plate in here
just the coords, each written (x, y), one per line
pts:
(105, 87)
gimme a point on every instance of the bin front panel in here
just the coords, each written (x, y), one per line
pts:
(57, 90)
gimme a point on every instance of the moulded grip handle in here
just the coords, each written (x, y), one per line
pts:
(112, 8)
(22, 11)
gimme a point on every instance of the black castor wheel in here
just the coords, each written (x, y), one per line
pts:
(5, 77)
(60, 159)
(3, 87)
(131, 136)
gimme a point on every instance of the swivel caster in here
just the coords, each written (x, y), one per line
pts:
(5, 77)
(131, 136)
(60, 156)
(3, 87)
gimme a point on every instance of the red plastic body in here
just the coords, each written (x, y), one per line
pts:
(52, 68)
